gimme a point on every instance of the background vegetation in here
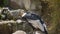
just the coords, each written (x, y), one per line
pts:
(50, 13)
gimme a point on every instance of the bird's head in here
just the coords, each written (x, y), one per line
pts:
(21, 12)
(5, 10)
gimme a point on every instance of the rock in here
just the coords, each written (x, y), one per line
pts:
(19, 32)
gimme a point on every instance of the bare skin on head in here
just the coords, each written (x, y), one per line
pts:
(21, 12)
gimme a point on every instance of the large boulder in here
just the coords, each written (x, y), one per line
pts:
(19, 32)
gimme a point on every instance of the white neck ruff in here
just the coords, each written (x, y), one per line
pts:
(23, 14)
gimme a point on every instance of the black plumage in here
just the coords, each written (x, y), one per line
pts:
(35, 21)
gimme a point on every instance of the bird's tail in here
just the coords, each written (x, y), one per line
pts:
(45, 31)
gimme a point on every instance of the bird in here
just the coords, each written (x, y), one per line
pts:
(35, 20)
(4, 12)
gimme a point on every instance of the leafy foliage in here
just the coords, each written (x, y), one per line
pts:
(3, 3)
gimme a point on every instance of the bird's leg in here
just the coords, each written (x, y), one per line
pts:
(37, 31)
(34, 30)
